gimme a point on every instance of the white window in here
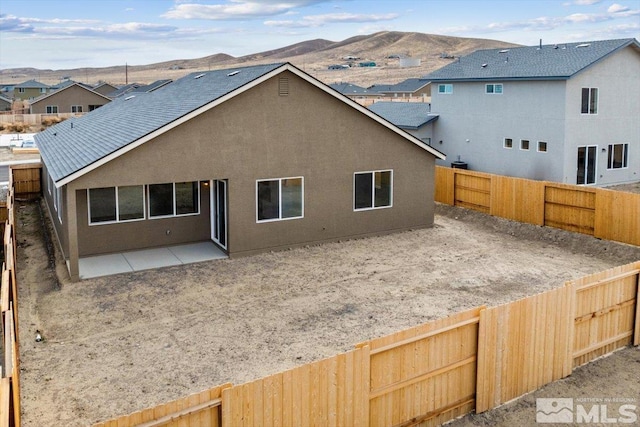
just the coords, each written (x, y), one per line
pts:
(508, 143)
(493, 88)
(278, 199)
(445, 88)
(52, 109)
(372, 190)
(542, 147)
(174, 199)
(20, 90)
(524, 144)
(116, 204)
(589, 100)
(618, 156)
(43, 90)
(76, 108)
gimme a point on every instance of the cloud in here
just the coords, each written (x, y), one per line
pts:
(615, 11)
(586, 2)
(10, 23)
(235, 9)
(617, 8)
(331, 18)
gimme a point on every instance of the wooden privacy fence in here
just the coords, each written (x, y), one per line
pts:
(435, 372)
(32, 119)
(10, 359)
(602, 213)
(26, 181)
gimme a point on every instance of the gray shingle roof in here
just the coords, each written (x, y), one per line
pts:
(405, 115)
(29, 84)
(152, 86)
(78, 142)
(557, 62)
(351, 89)
(408, 86)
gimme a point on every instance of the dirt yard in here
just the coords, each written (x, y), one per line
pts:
(118, 344)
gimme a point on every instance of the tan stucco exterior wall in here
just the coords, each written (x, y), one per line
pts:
(65, 98)
(261, 135)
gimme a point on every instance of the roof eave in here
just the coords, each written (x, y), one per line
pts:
(194, 113)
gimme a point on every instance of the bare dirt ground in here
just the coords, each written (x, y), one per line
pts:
(118, 344)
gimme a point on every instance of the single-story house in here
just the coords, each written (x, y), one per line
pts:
(413, 88)
(414, 117)
(355, 92)
(75, 98)
(254, 159)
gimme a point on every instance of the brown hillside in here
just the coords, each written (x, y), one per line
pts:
(313, 56)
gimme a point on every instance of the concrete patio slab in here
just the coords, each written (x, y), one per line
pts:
(104, 265)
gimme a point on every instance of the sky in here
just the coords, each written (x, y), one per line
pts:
(66, 34)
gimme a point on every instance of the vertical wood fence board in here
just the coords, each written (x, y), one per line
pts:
(570, 208)
(636, 333)
(606, 303)
(444, 185)
(517, 199)
(417, 374)
(5, 401)
(617, 216)
(515, 339)
(472, 190)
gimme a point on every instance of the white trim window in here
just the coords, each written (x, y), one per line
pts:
(52, 109)
(493, 88)
(372, 190)
(173, 199)
(542, 146)
(115, 204)
(618, 156)
(279, 199)
(445, 89)
(589, 104)
(524, 144)
(508, 143)
(76, 108)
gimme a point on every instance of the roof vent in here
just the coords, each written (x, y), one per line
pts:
(484, 65)
(233, 73)
(129, 97)
(584, 45)
(283, 86)
(504, 51)
(199, 75)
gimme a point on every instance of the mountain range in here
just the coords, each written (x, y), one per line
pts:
(313, 56)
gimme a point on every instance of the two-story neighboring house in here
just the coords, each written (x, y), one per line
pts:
(567, 113)
(31, 89)
(74, 98)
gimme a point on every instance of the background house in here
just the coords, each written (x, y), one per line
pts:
(74, 98)
(31, 89)
(254, 159)
(5, 103)
(414, 117)
(566, 113)
(104, 88)
(414, 89)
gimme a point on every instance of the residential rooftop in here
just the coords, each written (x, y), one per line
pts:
(542, 62)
